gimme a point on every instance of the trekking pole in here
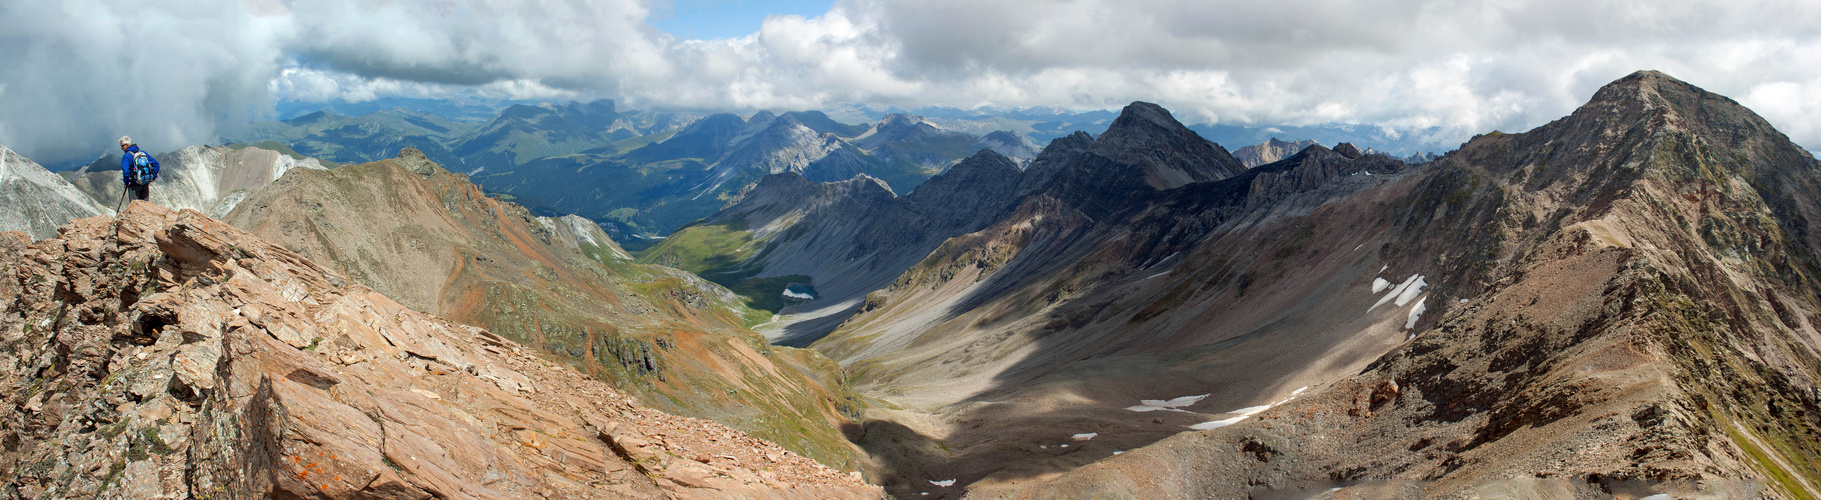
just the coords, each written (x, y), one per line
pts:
(117, 208)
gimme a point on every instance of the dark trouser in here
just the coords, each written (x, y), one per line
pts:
(139, 191)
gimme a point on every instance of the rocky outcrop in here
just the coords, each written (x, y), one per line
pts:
(207, 179)
(169, 355)
(35, 201)
(1269, 151)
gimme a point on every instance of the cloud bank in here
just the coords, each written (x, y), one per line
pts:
(78, 73)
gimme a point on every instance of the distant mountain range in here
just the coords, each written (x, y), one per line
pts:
(643, 174)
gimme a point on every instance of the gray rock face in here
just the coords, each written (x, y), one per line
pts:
(1269, 151)
(35, 201)
(206, 179)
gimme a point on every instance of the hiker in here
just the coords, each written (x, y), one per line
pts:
(137, 175)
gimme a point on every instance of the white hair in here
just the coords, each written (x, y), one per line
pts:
(125, 141)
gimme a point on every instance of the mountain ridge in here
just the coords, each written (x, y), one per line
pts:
(1618, 332)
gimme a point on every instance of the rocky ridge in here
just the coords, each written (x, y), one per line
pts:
(169, 355)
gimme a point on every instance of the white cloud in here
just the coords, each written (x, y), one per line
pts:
(1450, 68)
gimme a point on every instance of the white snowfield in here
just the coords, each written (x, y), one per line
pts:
(1085, 436)
(1402, 294)
(1171, 405)
(1243, 413)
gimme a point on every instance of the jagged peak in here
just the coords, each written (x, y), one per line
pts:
(1146, 134)
(1077, 140)
(1675, 101)
(863, 184)
(985, 161)
(1348, 150)
(1148, 113)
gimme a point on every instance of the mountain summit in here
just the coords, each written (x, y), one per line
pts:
(1172, 155)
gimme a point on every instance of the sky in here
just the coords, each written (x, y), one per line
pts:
(76, 74)
(712, 19)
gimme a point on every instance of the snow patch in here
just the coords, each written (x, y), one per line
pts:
(1379, 285)
(794, 295)
(1252, 410)
(1415, 312)
(1218, 423)
(943, 483)
(1411, 292)
(1171, 405)
(1116, 452)
(1396, 291)
(1243, 413)
(1085, 436)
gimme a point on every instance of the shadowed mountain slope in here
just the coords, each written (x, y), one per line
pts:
(433, 241)
(849, 245)
(1619, 302)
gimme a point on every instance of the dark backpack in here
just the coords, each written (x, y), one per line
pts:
(142, 172)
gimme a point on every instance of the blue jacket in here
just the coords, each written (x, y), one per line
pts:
(126, 164)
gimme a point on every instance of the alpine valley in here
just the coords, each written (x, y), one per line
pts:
(582, 301)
